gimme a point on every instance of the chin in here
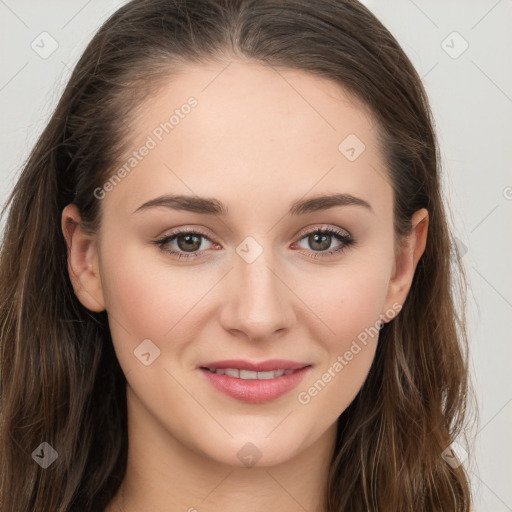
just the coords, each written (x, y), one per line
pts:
(249, 451)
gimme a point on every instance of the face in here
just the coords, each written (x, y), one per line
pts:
(263, 271)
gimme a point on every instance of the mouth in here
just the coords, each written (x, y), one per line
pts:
(260, 366)
(255, 382)
(249, 374)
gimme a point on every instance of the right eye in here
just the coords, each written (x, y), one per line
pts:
(188, 243)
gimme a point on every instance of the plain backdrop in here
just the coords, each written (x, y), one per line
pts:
(462, 50)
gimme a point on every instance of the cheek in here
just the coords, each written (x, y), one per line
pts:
(328, 393)
(147, 300)
(347, 300)
(350, 306)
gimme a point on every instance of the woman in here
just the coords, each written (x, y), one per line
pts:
(226, 274)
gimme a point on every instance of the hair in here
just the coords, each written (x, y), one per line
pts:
(60, 379)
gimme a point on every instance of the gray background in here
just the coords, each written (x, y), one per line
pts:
(471, 96)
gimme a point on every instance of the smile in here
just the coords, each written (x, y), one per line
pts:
(250, 375)
(255, 382)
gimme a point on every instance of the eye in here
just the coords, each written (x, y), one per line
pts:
(188, 242)
(319, 240)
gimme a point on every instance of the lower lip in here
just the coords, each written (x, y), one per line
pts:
(256, 390)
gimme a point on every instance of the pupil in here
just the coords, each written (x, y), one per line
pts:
(190, 241)
(324, 244)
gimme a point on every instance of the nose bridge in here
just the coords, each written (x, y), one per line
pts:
(257, 302)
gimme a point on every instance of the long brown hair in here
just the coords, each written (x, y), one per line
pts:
(60, 380)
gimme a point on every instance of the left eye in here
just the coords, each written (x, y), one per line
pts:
(322, 239)
(189, 243)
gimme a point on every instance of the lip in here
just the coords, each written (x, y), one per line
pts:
(255, 390)
(261, 366)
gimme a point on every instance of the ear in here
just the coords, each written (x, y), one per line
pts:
(83, 266)
(407, 256)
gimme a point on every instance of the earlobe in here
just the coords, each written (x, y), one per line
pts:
(406, 261)
(82, 259)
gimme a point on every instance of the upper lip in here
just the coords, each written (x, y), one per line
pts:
(261, 366)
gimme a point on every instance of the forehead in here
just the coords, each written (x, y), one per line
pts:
(223, 128)
(245, 99)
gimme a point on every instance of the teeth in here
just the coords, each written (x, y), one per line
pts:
(248, 374)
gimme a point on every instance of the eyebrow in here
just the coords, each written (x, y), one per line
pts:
(211, 206)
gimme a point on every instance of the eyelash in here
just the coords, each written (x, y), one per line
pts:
(347, 241)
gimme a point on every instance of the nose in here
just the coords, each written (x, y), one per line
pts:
(258, 300)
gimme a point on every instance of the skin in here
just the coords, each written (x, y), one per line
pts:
(259, 139)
